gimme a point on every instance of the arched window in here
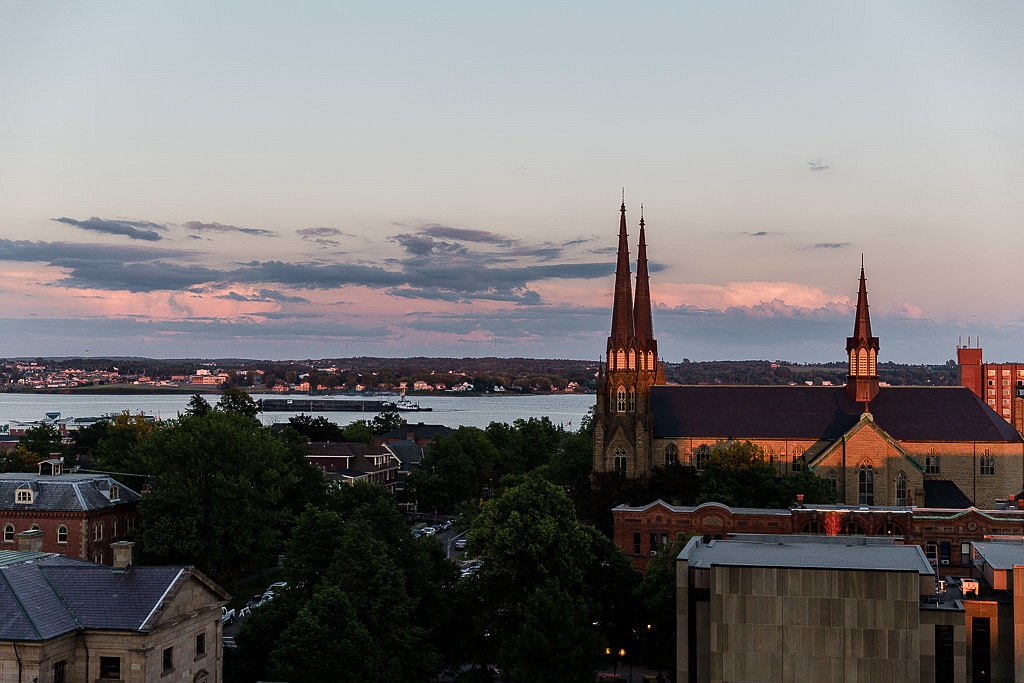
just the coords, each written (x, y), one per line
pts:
(632, 360)
(62, 535)
(650, 360)
(872, 368)
(813, 527)
(830, 477)
(115, 492)
(701, 455)
(620, 461)
(671, 454)
(862, 362)
(866, 484)
(620, 400)
(113, 528)
(851, 528)
(891, 529)
(901, 489)
(620, 359)
(853, 362)
(632, 399)
(8, 533)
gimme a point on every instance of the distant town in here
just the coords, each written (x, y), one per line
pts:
(416, 375)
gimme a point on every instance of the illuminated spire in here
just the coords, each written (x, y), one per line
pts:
(642, 307)
(622, 305)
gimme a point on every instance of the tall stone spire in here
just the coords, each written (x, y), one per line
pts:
(622, 305)
(862, 348)
(642, 307)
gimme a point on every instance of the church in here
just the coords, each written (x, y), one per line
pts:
(937, 447)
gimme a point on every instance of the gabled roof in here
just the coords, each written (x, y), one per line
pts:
(866, 422)
(802, 412)
(63, 492)
(44, 596)
(419, 431)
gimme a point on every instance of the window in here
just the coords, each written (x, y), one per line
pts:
(168, 659)
(60, 671)
(798, 463)
(944, 663)
(620, 461)
(831, 479)
(851, 528)
(23, 496)
(62, 535)
(654, 544)
(866, 485)
(931, 464)
(8, 533)
(671, 454)
(901, 489)
(813, 527)
(636, 544)
(965, 553)
(113, 529)
(632, 400)
(620, 400)
(987, 465)
(97, 532)
(200, 645)
(891, 529)
(701, 455)
(110, 668)
(115, 492)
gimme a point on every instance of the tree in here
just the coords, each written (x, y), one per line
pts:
(359, 431)
(317, 428)
(386, 421)
(217, 496)
(42, 442)
(536, 551)
(198, 406)
(738, 474)
(238, 401)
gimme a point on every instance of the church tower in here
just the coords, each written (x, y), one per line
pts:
(862, 348)
(623, 421)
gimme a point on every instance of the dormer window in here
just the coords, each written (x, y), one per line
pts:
(23, 496)
(115, 492)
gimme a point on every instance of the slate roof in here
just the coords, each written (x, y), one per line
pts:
(826, 413)
(63, 492)
(420, 432)
(42, 597)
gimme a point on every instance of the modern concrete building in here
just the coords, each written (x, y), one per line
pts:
(808, 609)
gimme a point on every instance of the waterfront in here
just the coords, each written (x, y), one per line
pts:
(452, 411)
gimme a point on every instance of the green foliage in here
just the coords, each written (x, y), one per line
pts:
(217, 494)
(198, 406)
(359, 431)
(238, 401)
(738, 474)
(317, 428)
(386, 421)
(42, 441)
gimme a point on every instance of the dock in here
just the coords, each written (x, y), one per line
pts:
(324, 405)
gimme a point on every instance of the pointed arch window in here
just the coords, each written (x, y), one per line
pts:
(862, 362)
(671, 454)
(620, 461)
(650, 360)
(632, 399)
(853, 362)
(701, 455)
(866, 484)
(620, 359)
(901, 489)
(872, 359)
(620, 400)
(632, 360)
(831, 479)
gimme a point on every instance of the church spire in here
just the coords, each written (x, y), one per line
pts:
(622, 305)
(642, 307)
(862, 348)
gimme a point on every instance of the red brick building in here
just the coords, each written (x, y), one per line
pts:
(999, 385)
(80, 515)
(945, 535)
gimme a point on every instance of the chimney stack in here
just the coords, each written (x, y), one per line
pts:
(31, 541)
(122, 554)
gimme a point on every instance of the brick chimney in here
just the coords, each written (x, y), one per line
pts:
(122, 554)
(31, 541)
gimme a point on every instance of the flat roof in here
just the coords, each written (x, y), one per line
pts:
(807, 552)
(1001, 554)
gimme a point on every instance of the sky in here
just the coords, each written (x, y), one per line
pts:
(322, 180)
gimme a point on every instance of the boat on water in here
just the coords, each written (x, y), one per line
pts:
(406, 406)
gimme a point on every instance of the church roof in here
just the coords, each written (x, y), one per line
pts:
(802, 412)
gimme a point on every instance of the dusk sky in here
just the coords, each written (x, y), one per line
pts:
(324, 179)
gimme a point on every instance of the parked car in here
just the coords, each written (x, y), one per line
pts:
(460, 544)
(428, 531)
(227, 615)
(254, 601)
(273, 589)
